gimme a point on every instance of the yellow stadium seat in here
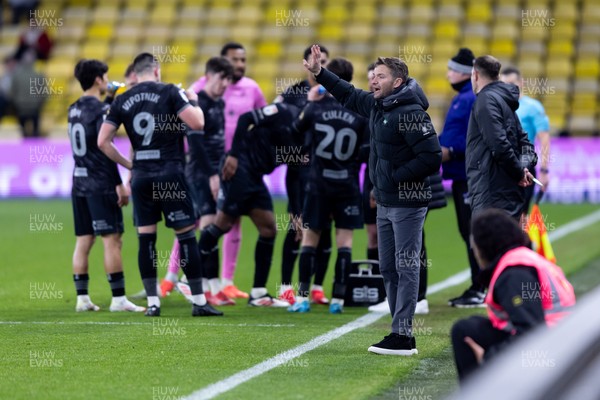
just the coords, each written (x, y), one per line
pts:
(219, 15)
(530, 67)
(559, 68)
(447, 30)
(101, 31)
(532, 33)
(360, 33)
(479, 12)
(587, 68)
(444, 49)
(502, 48)
(364, 13)
(60, 68)
(334, 14)
(505, 29)
(70, 34)
(105, 14)
(94, 49)
(591, 12)
(270, 49)
(565, 10)
(163, 15)
(159, 33)
(560, 48)
(176, 72)
(248, 14)
(246, 31)
(437, 86)
(419, 13)
(331, 32)
(125, 50)
(565, 30)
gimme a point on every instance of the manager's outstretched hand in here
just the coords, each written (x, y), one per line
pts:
(314, 60)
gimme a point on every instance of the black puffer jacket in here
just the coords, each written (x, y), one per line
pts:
(497, 151)
(438, 194)
(404, 147)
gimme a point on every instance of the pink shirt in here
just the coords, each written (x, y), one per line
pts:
(240, 97)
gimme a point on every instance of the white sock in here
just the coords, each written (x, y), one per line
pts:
(317, 287)
(205, 286)
(283, 288)
(300, 299)
(118, 299)
(153, 301)
(83, 298)
(172, 276)
(258, 292)
(226, 282)
(337, 301)
(215, 285)
(199, 299)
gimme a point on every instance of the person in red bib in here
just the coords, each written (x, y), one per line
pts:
(525, 290)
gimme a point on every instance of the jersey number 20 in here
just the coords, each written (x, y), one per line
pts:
(338, 147)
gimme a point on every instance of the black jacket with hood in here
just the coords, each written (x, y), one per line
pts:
(497, 151)
(404, 147)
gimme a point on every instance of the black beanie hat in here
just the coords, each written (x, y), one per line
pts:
(463, 61)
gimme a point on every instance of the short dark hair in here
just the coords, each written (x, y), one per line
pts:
(488, 66)
(219, 65)
(342, 68)
(86, 72)
(144, 62)
(398, 67)
(129, 70)
(308, 50)
(510, 71)
(371, 67)
(495, 232)
(231, 46)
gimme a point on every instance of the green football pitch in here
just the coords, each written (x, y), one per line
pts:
(51, 352)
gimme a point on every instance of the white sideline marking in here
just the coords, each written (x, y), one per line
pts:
(559, 233)
(575, 225)
(138, 323)
(227, 384)
(237, 379)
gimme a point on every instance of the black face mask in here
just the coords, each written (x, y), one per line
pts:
(459, 85)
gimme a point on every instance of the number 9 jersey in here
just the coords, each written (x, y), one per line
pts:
(149, 112)
(94, 172)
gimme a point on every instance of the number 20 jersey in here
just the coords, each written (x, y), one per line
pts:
(94, 172)
(334, 138)
(149, 111)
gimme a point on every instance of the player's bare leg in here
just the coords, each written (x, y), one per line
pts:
(113, 266)
(83, 245)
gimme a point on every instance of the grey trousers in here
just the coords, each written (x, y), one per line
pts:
(399, 233)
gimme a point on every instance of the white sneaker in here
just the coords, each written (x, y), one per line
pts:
(125, 305)
(422, 307)
(267, 301)
(382, 308)
(86, 306)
